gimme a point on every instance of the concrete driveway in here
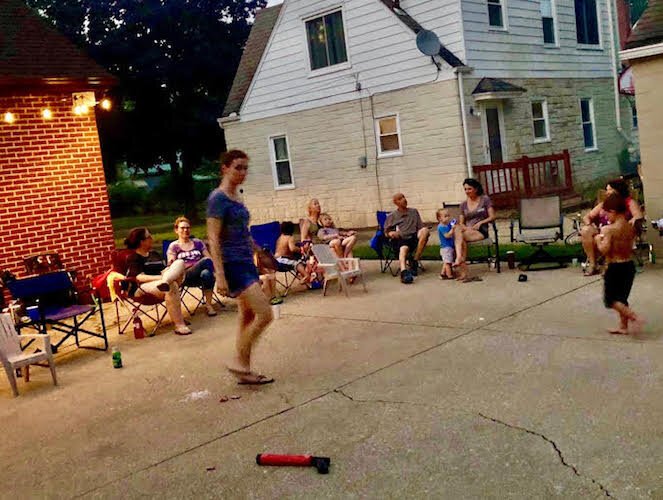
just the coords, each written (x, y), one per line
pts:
(493, 389)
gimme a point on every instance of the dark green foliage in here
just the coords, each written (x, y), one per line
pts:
(176, 61)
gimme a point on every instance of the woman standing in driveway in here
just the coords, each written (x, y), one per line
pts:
(231, 247)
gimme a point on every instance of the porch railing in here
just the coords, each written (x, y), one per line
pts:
(526, 177)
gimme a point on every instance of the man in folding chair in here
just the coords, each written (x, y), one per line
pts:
(408, 236)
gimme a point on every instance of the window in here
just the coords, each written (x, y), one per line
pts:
(634, 115)
(588, 129)
(388, 131)
(587, 24)
(548, 21)
(281, 167)
(495, 14)
(326, 40)
(540, 121)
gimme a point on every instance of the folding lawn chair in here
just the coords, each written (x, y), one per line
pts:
(187, 289)
(265, 236)
(144, 305)
(382, 246)
(58, 307)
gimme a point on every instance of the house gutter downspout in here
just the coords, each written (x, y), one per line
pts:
(463, 113)
(615, 71)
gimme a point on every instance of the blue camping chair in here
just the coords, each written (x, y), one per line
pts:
(186, 288)
(382, 246)
(58, 306)
(265, 236)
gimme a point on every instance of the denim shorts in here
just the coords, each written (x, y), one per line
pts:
(240, 276)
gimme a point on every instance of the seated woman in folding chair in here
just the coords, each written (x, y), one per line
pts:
(597, 218)
(197, 261)
(164, 285)
(476, 213)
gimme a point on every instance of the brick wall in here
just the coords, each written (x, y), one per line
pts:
(53, 194)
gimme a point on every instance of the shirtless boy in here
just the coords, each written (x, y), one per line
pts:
(616, 242)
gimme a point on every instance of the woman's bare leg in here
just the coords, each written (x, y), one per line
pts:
(255, 315)
(348, 244)
(459, 243)
(587, 234)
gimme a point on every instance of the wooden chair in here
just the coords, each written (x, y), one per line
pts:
(337, 268)
(12, 357)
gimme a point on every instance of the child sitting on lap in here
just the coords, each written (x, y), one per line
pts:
(445, 230)
(329, 234)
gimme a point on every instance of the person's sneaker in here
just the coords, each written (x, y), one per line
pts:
(414, 268)
(406, 277)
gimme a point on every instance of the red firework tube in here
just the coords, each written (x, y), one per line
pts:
(320, 463)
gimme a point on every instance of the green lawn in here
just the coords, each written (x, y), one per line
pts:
(161, 227)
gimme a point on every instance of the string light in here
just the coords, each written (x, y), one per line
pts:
(106, 104)
(46, 114)
(9, 117)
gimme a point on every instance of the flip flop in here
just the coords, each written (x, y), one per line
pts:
(591, 271)
(443, 277)
(183, 331)
(473, 278)
(259, 380)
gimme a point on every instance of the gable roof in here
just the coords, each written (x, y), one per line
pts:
(649, 28)
(448, 56)
(33, 53)
(263, 25)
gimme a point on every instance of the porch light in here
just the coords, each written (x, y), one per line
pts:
(80, 109)
(9, 117)
(46, 114)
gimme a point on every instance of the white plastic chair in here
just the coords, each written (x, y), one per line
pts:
(13, 358)
(337, 268)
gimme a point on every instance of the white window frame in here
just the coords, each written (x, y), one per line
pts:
(334, 67)
(272, 157)
(592, 119)
(388, 154)
(546, 121)
(599, 28)
(505, 19)
(553, 11)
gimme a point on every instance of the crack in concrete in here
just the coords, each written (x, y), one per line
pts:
(555, 447)
(383, 401)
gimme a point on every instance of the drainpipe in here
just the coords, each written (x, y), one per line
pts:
(615, 71)
(463, 113)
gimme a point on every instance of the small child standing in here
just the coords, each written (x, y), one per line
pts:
(615, 242)
(445, 230)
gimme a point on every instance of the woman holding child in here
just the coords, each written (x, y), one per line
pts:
(199, 270)
(318, 226)
(476, 213)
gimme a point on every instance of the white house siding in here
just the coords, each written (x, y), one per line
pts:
(565, 125)
(441, 17)
(520, 52)
(382, 53)
(326, 143)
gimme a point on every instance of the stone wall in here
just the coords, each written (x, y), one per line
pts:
(326, 144)
(563, 98)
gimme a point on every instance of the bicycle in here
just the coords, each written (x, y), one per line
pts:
(574, 237)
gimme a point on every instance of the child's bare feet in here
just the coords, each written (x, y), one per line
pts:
(618, 331)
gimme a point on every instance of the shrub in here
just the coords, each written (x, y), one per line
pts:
(126, 199)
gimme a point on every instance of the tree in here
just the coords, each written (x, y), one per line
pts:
(176, 61)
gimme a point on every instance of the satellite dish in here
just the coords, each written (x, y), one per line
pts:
(428, 43)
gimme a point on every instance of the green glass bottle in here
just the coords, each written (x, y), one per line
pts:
(117, 358)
